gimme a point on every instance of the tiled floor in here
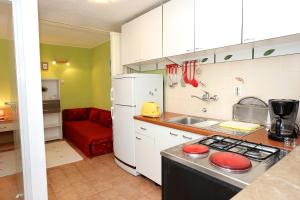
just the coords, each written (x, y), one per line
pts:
(91, 179)
(8, 188)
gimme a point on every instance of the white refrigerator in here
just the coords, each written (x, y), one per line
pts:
(128, 93)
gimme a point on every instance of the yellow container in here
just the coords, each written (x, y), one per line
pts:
(150, 109)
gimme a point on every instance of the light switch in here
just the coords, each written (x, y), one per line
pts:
(237, 91)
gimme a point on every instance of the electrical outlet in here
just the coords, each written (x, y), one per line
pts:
(237, 91)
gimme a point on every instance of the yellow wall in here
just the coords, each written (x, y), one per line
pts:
(101, 76)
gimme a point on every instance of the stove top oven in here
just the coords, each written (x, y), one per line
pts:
(214, 168)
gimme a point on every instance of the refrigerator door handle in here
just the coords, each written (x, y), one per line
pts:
(112, 94)
(112, 113)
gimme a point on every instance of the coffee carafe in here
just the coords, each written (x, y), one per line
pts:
(283, 113)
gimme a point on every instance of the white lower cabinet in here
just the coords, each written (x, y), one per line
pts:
(187, 137)
(151, 139)
(168, 138)
(145, 156)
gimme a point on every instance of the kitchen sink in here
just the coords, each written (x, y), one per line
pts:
(207, 124)
(193, 121)
(186, 120)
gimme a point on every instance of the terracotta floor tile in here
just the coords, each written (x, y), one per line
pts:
(110, 194)
(98, 178)
(93, 197)
(51, 194)
(101, 186)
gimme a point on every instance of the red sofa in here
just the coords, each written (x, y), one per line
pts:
(89, 129)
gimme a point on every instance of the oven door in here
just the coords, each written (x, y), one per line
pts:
(182, 182)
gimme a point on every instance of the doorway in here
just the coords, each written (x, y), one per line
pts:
(22, 151)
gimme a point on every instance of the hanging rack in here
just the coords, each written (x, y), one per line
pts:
(179, 66)
(174, 62)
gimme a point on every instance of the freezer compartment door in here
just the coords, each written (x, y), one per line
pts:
(123, 134)
(123, 91)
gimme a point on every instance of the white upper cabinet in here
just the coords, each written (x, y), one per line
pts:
(217, 23)
(130, 42)
(178, 27)
(142, 38)
(264, 19)
(151, 34)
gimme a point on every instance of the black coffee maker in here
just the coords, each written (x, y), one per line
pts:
(283, 113)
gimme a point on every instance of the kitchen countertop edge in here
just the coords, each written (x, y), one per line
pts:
(281, 181)
(260, 136)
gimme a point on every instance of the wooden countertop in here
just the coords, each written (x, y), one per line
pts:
(7, 121)
(259, 136)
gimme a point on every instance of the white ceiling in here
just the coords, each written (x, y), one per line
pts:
(105, 16)
(52, 33)
(79, 23)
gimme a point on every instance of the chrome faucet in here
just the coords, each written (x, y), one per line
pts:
(206, 97)
(214, 98)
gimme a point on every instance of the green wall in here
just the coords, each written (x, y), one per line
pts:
(6, 52)
(86, 82)
(158, 71)
(101, 78)
(76, 85)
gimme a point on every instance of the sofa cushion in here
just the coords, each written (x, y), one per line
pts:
(75, 114)
(93, 115)
(105, 118)
(83, 133)
(89, 130)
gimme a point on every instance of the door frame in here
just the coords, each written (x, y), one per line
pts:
(27, 55)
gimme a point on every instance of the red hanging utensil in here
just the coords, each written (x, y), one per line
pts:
(185, 78)
(194, 82)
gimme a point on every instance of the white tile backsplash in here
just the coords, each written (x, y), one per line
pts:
(265, 78)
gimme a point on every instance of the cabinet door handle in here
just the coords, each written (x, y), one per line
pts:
(185, 137)
(3, 127)
(173, 134)
(138, 138)
(142, 128)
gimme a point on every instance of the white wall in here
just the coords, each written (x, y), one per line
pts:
(265, 78)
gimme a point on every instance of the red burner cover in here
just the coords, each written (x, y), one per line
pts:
(230, 161)
(195, 149)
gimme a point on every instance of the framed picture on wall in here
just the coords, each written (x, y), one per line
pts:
(44, 65)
